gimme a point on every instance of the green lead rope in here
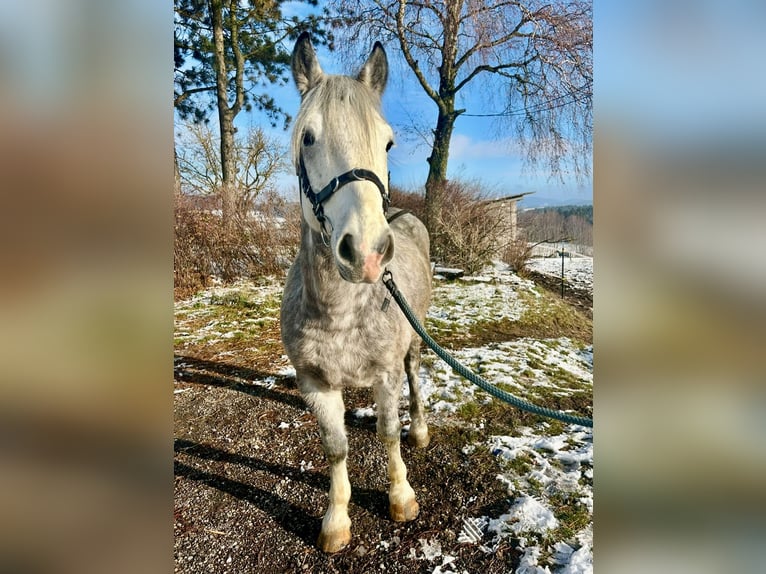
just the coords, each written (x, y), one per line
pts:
(388, 281)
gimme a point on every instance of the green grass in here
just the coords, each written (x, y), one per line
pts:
(469, 411)
(521, 465)
(572, 515)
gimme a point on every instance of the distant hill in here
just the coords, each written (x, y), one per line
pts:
(548, 223)
(584, 211)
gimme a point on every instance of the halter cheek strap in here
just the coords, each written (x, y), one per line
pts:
(317, 199)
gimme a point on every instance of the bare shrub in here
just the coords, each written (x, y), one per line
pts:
(258, 158)
(468, 231)
(192, 267)
(409, 200)
(260, 242)
(516, 254)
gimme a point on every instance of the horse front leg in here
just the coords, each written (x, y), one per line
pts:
(401, 498)
(327, 406)
(418, 435)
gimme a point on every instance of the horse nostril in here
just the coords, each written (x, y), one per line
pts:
(346, 248)
(386, 248)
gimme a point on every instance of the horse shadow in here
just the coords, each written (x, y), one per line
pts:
(289, 516)
(224, 375)
(228, 376)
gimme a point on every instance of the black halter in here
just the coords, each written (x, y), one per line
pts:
(317, 199)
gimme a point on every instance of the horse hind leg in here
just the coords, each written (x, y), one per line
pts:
(418, 435)
(401, 497)
(327, 406)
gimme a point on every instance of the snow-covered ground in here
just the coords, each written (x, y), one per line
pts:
(578, 271)
(560, 464)
(557, 461)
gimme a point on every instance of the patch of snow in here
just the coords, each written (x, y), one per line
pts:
(430, 549)
(528, 562)
(578, 271)
(466, 303)
(443, 390)
(288, 371)
(559, 464)
(527, 514)
(363, 413)
(575, 561)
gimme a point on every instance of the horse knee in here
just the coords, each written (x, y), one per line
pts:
(334, 442)
(335, 448)
(388, 429)
(328, 408)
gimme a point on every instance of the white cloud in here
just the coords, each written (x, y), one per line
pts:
(465, 147)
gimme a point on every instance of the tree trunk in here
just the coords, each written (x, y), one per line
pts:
(437, 166)
(177, 176)
(228, 167)
(226, 116)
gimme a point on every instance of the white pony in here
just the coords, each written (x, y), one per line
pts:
(336, 328)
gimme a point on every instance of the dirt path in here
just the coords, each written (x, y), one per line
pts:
(251, 484)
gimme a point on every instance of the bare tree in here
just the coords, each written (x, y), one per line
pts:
(256, 159)
(537, 54)
(550, 224)
(226, 52)
(579, 229)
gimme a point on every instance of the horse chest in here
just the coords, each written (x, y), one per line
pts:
(356, 355)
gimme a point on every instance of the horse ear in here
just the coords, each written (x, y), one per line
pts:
(305, 65)
(374, 73)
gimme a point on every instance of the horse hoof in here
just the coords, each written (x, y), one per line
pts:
(418, 441)
(331, 542)
(404, 512)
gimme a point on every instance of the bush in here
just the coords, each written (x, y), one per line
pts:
(410, 200)
(262, 242)
(516, 254)
(468, 232)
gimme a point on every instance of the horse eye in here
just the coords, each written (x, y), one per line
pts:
(389, 145)
(308, 139)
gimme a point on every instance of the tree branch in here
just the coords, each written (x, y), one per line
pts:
(239, 61)
(413, 64)
(186, 93)
(495, 70)
(516, 32)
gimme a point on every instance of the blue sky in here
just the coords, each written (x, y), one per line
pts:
(477, 150)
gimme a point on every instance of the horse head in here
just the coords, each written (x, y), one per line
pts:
(340, 143)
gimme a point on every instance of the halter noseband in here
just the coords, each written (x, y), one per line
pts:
(317, 199)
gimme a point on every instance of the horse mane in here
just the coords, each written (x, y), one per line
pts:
(350, 110)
